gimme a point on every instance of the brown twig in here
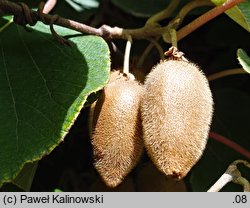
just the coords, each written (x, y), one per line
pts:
(11, 8)
(232, 174)
(183, 32)
(107, 32)
(50, 4)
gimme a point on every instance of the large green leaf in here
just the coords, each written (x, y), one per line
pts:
(244, 60)
(43, 87)
(239, 14)
(142, 8)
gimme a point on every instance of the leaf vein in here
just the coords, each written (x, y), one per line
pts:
(38, 70)
(12, 97)
(36, 109)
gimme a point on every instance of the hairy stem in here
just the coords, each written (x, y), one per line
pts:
(243, 182)
(232, 174)
(226, 73)
(11, 8)
(164, 13)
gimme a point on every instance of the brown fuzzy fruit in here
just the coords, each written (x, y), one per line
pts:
(176, 112)
(117, 131)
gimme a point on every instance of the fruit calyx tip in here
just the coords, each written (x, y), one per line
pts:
(174, 54)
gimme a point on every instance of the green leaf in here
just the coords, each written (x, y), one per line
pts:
(239, 13)
(57, 190)
(25, 178)
(244, 59)
(43, 87)
(80, 5)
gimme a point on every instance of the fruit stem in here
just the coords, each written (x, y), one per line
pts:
(164, 13)
(219, 138)
(183, 32)
(226, 73)
(173, 36)
(127, 55)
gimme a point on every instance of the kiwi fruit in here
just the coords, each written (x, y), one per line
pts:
(176, 112)
(116, 129)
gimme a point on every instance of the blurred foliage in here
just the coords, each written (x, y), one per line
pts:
(239, 13)
(244, 60)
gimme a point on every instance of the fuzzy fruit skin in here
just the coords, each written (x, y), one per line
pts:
(117, 131)
(176, 109)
